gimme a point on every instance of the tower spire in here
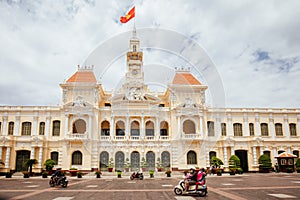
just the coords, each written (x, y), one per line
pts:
(134, 31)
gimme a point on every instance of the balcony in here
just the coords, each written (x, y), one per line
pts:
(119, 137)
(191, 136)
(78, 136)
(164, 137)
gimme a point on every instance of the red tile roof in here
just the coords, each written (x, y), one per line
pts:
(185, 79)
(286, 155)
(83, 76)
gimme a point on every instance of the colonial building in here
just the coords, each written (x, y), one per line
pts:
(93, 126)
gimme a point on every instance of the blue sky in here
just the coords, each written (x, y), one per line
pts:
(253, 44)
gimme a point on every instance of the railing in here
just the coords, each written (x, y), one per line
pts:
(164, 137)
(134, 137)
(191, 136)
(119, 137)
(149, 138)
(78, 135)
(104, 137)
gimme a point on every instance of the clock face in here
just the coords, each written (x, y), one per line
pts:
(134, 72)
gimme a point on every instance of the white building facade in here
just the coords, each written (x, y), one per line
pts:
(92, 126)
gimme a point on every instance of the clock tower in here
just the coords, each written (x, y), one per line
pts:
(134, 84)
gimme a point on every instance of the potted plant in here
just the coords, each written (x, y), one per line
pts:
(29, 163)
(98, 174)
(159, 165)
(119, 174)
(44, 174)
(151, 173)
(73, 171)
(110, 165)
(234, 163)
(25, 174)
(298, 165)
(216, 164)
(144, 164)
(265, 164)
(8, 175)
(219, 172)
(168, 172)
(127, 164)
(79, 174)
(49, 164)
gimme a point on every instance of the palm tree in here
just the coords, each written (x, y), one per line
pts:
(28, 164)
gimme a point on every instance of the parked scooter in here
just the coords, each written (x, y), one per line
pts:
(201, 189)
(54, 180)
(137, 175)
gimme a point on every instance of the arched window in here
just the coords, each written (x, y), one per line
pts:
(149, 128)
(237, 129)
(164, 126)
(56, 128)
(210, 128)
(54, 156)
(264, 129)
(119, 159)
(42, 128)
(166, 159)
(268, 153)
(212, 154)
(11, 128)
(189, 127)
(79, 126)
(104, 157)
(26, 128)
(251, 129)
(293, 131)
(135, 161)
(150, 159)
(135, 128)
(105, 128)
(191, 158)
(76, 158)
(278, 129)
(223, 129)
(120, 128)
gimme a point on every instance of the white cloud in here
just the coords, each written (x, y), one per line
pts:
(43, 41)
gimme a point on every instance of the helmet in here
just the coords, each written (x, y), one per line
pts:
(192, 168)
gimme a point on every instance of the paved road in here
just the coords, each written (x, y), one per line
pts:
(247, 186)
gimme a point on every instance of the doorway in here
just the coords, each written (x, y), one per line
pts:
(21, 157)
(243, 156)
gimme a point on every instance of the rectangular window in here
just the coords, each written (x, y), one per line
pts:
(223, 129)
(264, 129)
(251, 129)
(293, 129)
(26, 128)
(56, 128)
(54, 157)
(237, 129)
(210, 128)
(11, 128)
(42, 128)
(278, 129)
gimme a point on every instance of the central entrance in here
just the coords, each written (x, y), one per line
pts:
(21, 157)
(243, 156)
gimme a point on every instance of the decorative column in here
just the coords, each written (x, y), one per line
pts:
(201, 125)
(232, 150)
(246, 125)
(4, 132)
(157, 128)
(230, 126)
(34, 125)
(218, 123)
(257, 132)
(111, 128)
(127, 128)
(7, 157)
(66, 125)
(143, 127)
(254, 156)
(286, 126)
(40, 160)
(32, 153)
(178, 127)
(261, 152)
(274, 154)
(90, 127)
(207, 157)
(47, 128)
(298, 125)
(272, 127)
(225, 156)
(17, 127)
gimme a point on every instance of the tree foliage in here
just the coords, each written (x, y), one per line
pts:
(216, 162)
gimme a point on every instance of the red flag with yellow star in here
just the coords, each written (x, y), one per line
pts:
(129, 15)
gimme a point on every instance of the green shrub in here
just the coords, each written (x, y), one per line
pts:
(264, 162)
(297, 163)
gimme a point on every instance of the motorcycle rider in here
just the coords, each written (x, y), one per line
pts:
(58, 175)
(200, 178)
(191, 179)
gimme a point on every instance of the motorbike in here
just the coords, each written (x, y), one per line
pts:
(54, 180)
(201, 189)
(137, 176)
